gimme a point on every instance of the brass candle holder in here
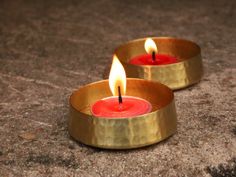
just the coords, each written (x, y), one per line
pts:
(187, 71)
(123, 133)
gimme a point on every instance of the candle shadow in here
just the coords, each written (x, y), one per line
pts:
(138, 149)
(190, 87)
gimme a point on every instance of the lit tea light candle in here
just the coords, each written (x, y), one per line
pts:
(119, 105)
(152, 57)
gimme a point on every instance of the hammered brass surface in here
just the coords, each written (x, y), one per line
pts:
(187, 71)
(123, 133)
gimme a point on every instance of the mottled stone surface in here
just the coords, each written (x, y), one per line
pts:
(49, 48)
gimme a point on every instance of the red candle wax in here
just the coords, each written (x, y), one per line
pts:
(146, 59)
(111, 108)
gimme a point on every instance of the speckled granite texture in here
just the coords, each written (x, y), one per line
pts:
(49, 48)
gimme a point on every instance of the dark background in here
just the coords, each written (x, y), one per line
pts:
(49, 48)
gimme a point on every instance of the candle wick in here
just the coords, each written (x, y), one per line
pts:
(119, 97)
(153, 56)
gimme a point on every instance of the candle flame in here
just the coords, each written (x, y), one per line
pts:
(117, 77)
(150, 46)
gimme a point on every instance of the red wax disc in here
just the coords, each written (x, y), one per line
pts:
(146, 59)
(110, 108)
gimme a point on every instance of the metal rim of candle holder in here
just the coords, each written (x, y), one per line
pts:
(123, 133)
(187, 71)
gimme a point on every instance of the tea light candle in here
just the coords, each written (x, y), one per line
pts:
(119, 105)
(152, 57)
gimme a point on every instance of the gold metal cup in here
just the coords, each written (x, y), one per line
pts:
(187, 71)
(123, 133)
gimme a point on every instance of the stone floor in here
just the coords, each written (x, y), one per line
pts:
(50, 48)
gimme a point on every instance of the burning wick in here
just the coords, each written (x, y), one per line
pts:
(120, 97)
(151, 48)
(153, 56)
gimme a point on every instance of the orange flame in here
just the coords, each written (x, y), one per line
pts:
(150, 46)
(117, 77)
